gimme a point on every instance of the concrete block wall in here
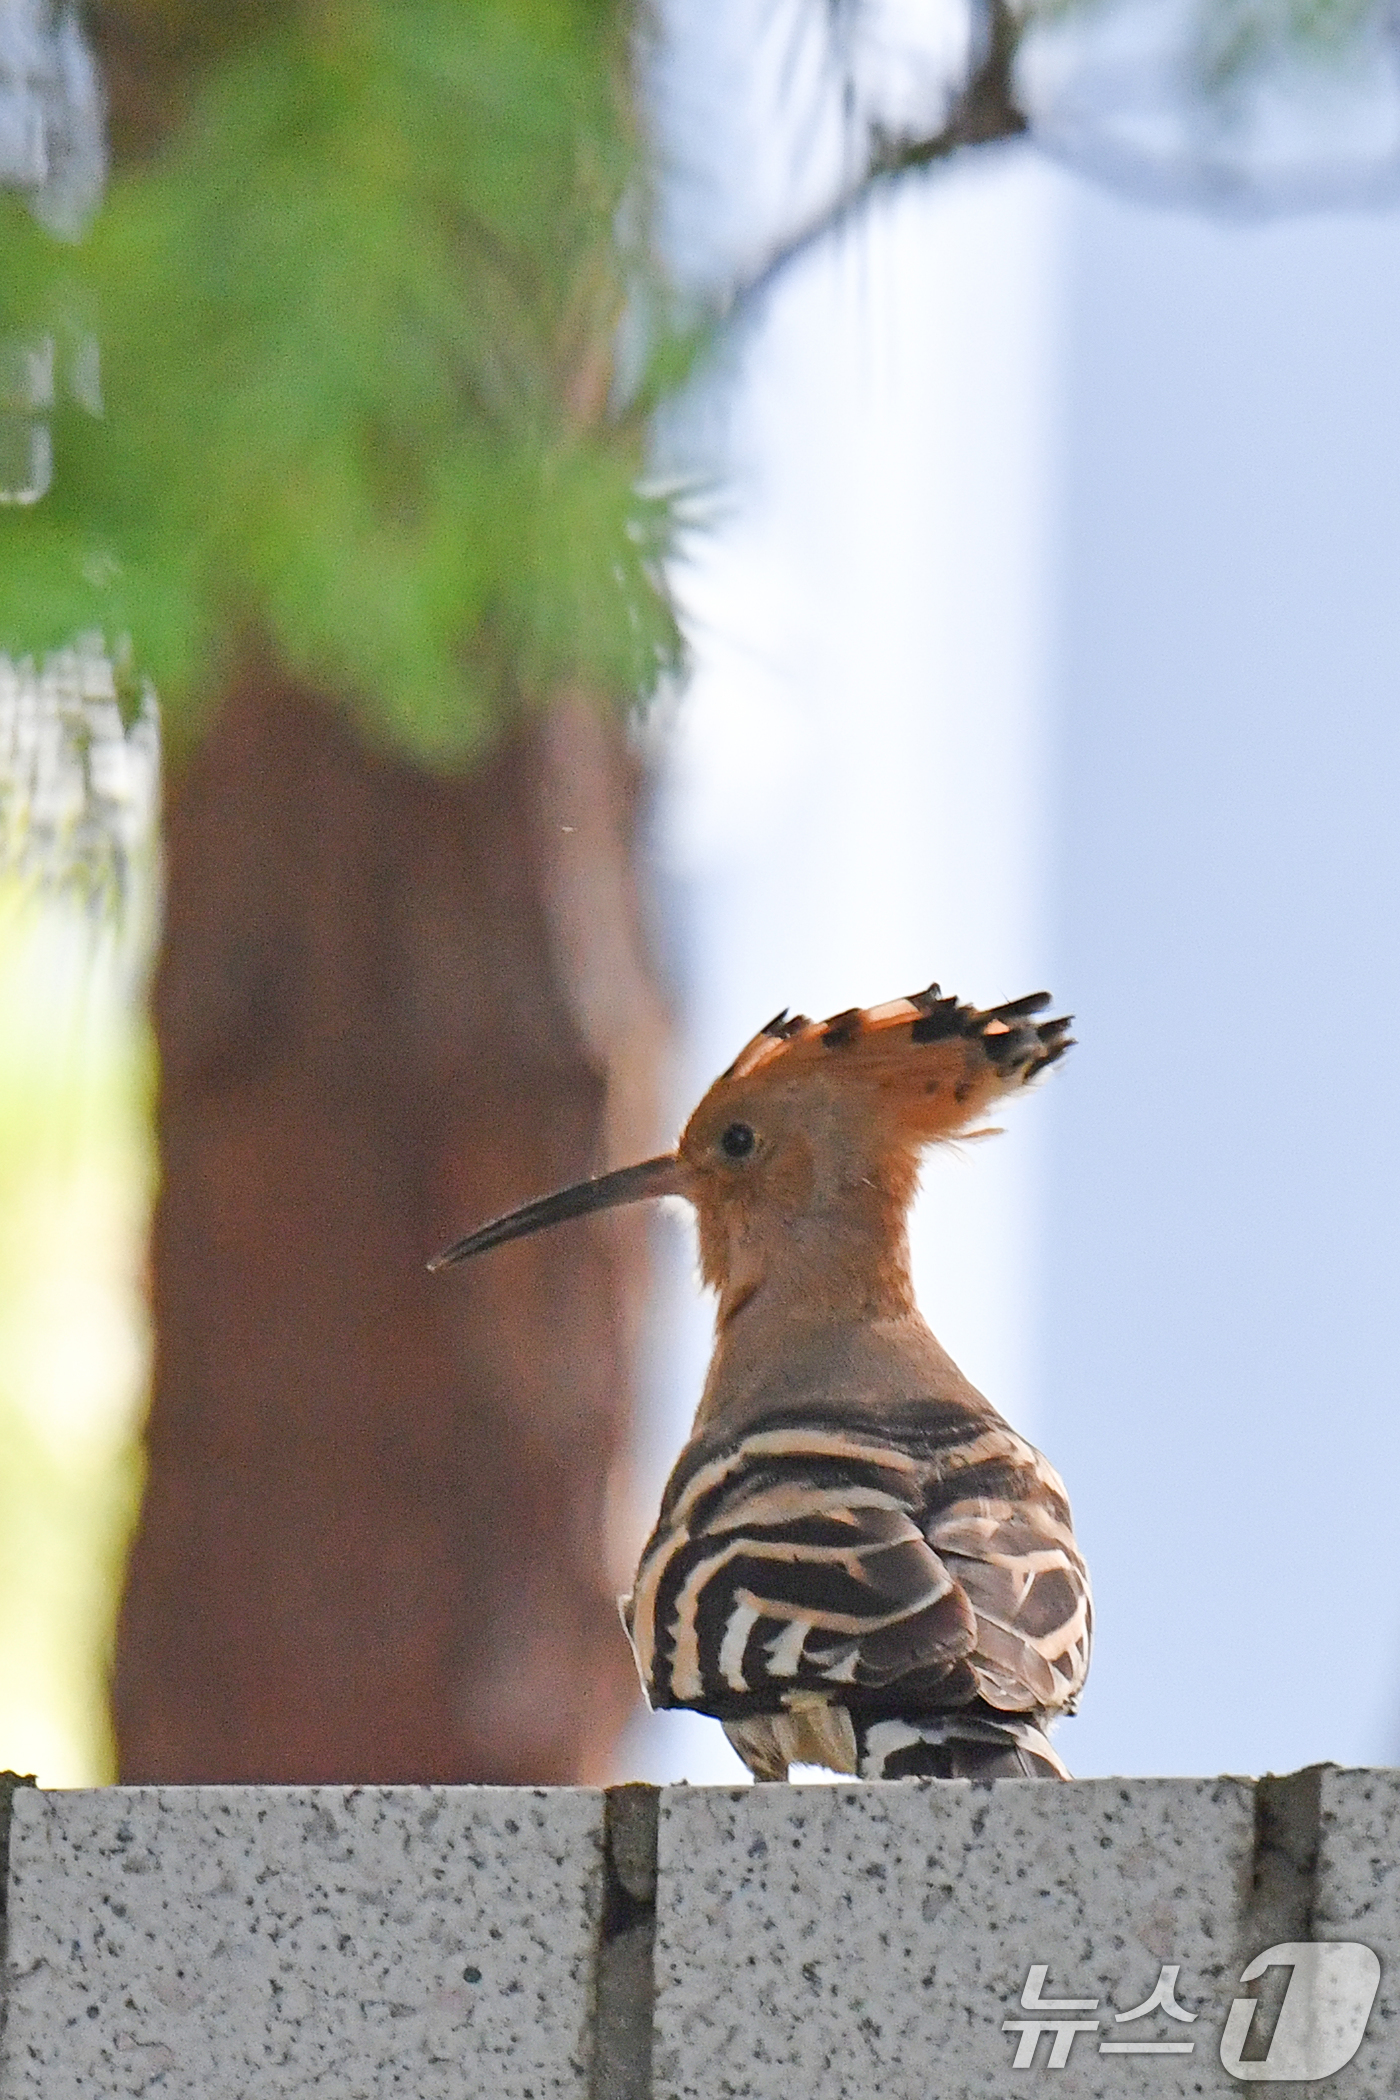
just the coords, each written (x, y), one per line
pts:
(916, 1941)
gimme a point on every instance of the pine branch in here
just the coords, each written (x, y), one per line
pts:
(984, 111)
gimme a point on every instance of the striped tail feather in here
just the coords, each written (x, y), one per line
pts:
(957, 1746)
(961, 1745)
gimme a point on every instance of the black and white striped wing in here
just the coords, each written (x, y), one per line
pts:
(793, 1562)
(1015, 1559)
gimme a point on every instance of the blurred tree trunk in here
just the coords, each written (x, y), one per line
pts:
(375, 1539)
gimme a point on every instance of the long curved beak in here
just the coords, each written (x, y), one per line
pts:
(651, 1177)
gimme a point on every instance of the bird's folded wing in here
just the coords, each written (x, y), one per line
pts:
(1017, 1562)
(790, 1583)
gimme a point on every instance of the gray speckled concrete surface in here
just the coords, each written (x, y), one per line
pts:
(810, 1943)
(241, 1943)
(1358, 1898)
(837, 1943)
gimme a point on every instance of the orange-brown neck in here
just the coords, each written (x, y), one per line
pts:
(821, 1253)
(822, 1311)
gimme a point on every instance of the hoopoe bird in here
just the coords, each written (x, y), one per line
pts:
(857, 1563)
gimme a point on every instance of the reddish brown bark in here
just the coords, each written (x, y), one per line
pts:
(389, 1005)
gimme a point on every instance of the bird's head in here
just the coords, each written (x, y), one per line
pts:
(804, 1154)
(803, 1157)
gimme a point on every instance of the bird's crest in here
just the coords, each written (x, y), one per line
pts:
(938, 1061)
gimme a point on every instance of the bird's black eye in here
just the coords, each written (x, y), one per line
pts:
(737, 1142)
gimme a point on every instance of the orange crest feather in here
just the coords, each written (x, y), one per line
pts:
(934, 1063)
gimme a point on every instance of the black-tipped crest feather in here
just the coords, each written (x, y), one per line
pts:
(1015, 1046)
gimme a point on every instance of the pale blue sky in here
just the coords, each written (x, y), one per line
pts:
(1221, 1307)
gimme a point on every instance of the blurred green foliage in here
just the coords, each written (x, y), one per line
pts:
(1297, 25)
(356, 314)
(76, 1171)
(1236, 37)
